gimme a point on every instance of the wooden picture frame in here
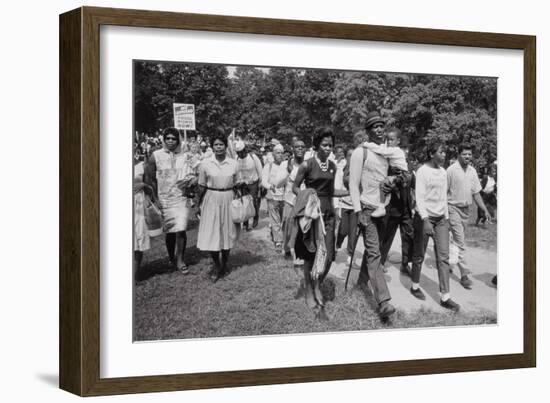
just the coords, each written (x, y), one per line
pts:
(80, 199)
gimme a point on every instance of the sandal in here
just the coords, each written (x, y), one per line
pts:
(183, 269)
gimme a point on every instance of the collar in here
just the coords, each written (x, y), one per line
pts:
(218, 163)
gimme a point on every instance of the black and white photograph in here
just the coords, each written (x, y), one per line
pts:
(272, 200)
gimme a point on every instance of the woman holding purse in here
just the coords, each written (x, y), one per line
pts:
(217, 180)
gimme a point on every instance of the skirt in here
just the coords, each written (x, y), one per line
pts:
(216, 228)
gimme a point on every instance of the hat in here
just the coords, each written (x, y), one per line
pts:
(373, 118)
(279, 147)
(274, 142)
(203, 143)
(239, 145)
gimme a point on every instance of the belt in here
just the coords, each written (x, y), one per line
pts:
(219, 189)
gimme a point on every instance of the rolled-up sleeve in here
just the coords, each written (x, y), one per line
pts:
(355, 171)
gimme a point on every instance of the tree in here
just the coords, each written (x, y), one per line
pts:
(160, 85)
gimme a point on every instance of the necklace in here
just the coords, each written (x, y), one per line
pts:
(322, 165)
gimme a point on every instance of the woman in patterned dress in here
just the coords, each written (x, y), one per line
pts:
(217, 232)
(166, 170)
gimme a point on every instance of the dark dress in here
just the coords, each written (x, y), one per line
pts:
(323, 184)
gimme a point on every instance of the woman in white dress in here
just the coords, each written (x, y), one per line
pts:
(217, 232)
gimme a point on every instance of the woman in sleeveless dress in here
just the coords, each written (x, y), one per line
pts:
(166, 170)
(318, 173)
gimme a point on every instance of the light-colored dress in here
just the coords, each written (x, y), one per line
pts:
(216, 229)
(170, 168)
(141, 232)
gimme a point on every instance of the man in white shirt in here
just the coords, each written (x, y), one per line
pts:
(368, 174)
(463, 188)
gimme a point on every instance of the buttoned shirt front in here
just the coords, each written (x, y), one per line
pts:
(462, 184)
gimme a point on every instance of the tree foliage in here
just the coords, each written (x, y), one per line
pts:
(282, 102)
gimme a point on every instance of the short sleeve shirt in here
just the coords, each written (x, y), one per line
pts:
(462, 184)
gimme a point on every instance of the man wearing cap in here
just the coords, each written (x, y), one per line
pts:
(463, 188)
(368, 171)
(249, 172)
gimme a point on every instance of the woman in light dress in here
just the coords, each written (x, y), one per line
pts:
(141, 232)
(166, 170)
(217, 232)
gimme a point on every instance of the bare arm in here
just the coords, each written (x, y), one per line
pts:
(300, 175)
(150, 175)
(481, 205)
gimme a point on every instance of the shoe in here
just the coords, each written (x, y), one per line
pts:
(379, 212)
(215, 276)
(298, 262)
(417, 293)
(450, 304)
(494, 281)
(255, 223)
(386, 310)
(183, 269)
(466, 282)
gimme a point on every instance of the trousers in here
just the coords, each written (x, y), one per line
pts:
(372, 230)
(441, 249)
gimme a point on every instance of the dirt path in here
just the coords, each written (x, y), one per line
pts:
(483, 264)
(482, 296)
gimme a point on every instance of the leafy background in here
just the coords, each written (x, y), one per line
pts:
(262, 103)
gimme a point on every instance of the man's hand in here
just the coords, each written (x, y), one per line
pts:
(428, 228)
(488, 216)
(387, 186)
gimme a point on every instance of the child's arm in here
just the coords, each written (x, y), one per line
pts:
(397, 158)
(379, 149)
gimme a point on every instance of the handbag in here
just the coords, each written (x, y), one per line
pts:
(242, 209)
(153, 217)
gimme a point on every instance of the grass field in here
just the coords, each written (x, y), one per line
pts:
(261, 296)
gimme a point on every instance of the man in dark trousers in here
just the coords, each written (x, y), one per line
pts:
(368, 171)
